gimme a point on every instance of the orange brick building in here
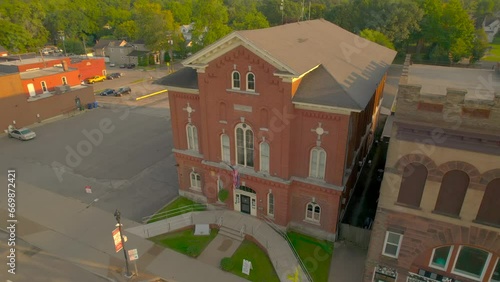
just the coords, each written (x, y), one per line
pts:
(291, 108)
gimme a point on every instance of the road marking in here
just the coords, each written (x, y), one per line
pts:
(149, 95)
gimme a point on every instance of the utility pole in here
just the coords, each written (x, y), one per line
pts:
(118, 216)
(62, 36)
(282, 8)
(309, 10)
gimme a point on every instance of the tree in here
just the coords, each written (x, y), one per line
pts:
(182, 10)
(126, 30)
(377, 37)
(243, 15)
(480, 45)
(210, 19)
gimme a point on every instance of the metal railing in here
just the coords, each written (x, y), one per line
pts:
(294, 251)
(174, 212)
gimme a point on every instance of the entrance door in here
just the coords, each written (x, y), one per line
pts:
(31, 89)
(245, 204)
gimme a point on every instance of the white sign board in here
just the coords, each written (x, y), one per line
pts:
(247, 265)
(133, 255)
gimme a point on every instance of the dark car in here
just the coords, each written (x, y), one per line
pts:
(130, 66)
(107, 92)
(123, 66)
(113, 76)
(123, 91)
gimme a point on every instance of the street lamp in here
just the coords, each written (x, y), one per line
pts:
(62, 36)
(117, 216)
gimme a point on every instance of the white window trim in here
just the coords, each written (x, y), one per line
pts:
(222, 148)
(191, 140)
(268, 156)
(194, 182)
(385, 244)
(232, 80)
(245, 161)
(312, 219)
(42, 83)
(483, 272)
(447, 259)
(317, 176)
(247, 88)
(493, 270)
(269, 195)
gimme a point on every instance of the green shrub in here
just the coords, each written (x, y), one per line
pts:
(193, 250)
(227, 264)
(223, 194)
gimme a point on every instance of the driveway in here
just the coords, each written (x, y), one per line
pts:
(123, 152)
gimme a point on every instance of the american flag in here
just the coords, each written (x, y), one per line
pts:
(236, 178)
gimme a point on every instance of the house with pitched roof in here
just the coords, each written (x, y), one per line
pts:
(280, 119)
(3, 52)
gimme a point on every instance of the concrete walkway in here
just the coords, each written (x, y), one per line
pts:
(348, 263)
(220, 247)
(279, 251)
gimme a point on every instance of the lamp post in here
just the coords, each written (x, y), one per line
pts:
(62, 36)
(117, 216)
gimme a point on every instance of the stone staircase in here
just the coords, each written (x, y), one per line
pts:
(231, 233)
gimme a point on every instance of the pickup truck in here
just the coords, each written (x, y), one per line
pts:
(94, 79)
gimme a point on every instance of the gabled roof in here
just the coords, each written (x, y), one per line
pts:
(183, 78)
(355, 66)
(103, 43)
(137, 53)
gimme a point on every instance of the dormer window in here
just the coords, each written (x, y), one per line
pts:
(250, 82)
(236, 80)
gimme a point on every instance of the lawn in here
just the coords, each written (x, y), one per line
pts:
(185, 242)
(493, 55)
(176, 208)
(262, 268)
(316, 255)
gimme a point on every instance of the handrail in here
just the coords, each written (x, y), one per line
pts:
(174, 212)
(294, 251)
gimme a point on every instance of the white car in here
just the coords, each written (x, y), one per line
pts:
(22, 134)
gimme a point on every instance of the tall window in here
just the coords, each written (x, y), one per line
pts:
(192, 137)
(264, 157)
(317, 163)
(495, 276)
(220, 185)
(235, 84)
(244, 145)
(412, 185)
(250, 82)
(64, 80)
(441, 257)
(44, 86)
(195, 180)
(225, 148)
(270, 204)
(489, 205)
(392, 244)
(452, 193)
(313, 212)
(471, 262)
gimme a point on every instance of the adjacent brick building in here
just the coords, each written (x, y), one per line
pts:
(438, 217)
(292, 108)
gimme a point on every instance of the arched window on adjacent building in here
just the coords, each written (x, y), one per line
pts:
(412, 185)
(250, 82)
(195, 180)
(235, 82)
(264, 156)
(441, 257)
(225, 148)
(471, 263)
(488, 211)
(270, 204)
(244, 145)
(452, 193)
(317, 163)
(313, 212)
(192, 137)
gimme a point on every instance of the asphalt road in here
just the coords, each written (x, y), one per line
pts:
(123, 152)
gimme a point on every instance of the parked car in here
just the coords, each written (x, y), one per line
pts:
(122, 66)
(130, 66)
(123, 90)
(107, 92)
(112, 65)
(22, 134)
(94, 79)
(113, 76)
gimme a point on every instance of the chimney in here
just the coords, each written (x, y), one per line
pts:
(65, 65)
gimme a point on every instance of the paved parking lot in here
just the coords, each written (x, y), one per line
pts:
(123, 152)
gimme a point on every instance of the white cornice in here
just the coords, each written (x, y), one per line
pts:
(326, 109)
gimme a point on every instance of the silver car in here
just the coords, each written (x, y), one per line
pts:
(22, 134)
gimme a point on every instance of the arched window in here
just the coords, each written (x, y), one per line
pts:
(195, 180)
(250, 82)
(412, 184)
(270, 204)
(244, 145)
(235, 82)
(471, 263)
(313, 212)
(64, 80)
(441, 257)
(220, 185)
(44, 86)
(452, 193)
(264, 157)
(488, 211)
(192, 137)
(225, 148)
(317, 163)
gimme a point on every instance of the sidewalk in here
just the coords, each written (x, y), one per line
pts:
(74, 232)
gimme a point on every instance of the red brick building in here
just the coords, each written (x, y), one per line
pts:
(292, 108)
(438, 217)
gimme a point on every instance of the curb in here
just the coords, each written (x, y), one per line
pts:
(150, 95)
